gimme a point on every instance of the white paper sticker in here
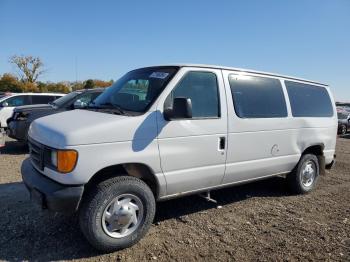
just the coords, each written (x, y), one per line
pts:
(160, 75)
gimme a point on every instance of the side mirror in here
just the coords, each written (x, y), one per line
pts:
(79, 104)
(182, 109)
(5, 104)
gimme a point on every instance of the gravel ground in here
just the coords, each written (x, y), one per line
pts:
(257, 222)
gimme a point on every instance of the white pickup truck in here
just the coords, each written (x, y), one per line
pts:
(167, 131)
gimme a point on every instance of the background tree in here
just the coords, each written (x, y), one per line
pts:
(58, 88)
(30, 87)
(10, 83)
(89, 84)
(29, 67)
(42, 87)
(77, 86)
(101, 83)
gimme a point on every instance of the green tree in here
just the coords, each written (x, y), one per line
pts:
(89, 84)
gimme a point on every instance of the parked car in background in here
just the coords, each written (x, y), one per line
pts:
(4, 94)
(343, 122)
(9, 102)
(23, 116)
(168, 131)
(346, 109)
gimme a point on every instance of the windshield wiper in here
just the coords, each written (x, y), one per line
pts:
(114, 107)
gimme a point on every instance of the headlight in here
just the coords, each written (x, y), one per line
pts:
(54, 158)
(21, 116)
(64, 160)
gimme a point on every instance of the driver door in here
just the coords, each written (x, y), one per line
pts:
(193, 151)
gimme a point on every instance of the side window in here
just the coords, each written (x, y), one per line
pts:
(18, 101)
(257, 97)
(84, 99)
(39, 99)
(202, 89)
(309, 100)
(87, 98)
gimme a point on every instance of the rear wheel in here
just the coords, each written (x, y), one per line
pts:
(117, 213)
(343, 130)
(303, 178)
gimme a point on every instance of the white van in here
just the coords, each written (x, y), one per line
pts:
(9, 102)
(167, 131)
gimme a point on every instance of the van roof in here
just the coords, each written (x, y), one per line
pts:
(247, 71)
(97, 89)
(35, 94)
(2, 98)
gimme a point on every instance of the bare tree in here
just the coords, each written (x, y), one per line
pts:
(30, 68)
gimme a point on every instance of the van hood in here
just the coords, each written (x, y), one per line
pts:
(82, 127)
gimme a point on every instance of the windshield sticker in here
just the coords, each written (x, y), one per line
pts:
(160, 75)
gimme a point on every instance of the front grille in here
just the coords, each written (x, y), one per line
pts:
(36, 151)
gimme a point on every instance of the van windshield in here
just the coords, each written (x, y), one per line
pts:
(137, 90)
(64, 99)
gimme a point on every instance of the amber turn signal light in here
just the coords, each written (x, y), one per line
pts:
(66, 160)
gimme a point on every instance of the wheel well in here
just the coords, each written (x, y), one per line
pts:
(137, 170)
(316, 150)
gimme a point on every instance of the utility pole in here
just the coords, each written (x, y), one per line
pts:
(76, 69)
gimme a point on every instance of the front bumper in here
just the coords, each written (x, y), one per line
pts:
(48, 193)
(17, 130)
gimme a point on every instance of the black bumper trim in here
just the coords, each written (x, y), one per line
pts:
(18, 130)
(331, 165)
(48, 193)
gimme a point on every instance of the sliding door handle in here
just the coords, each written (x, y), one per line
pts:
(222, 143)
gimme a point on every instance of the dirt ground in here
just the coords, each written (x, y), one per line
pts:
(257, 222)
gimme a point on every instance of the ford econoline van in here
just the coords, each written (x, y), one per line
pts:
(167, 131)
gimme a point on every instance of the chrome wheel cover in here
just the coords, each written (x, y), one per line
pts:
(122, 216)
(308, 173)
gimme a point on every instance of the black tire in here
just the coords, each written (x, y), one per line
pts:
(343, 130)
(97, 200)
(295, 178)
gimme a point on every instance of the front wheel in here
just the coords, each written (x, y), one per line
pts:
(303, 178)
(117, 213)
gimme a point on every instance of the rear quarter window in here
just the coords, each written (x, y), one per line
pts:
(257, 97)
(309, 100)
(20, 100)
(42, 99)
